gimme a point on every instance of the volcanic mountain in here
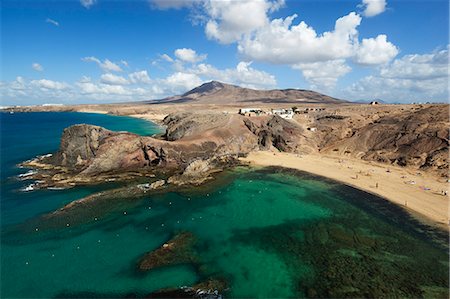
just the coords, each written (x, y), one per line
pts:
(215, 92)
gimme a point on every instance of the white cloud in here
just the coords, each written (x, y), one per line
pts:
(189, 55)
(18, 84)
(49, 84)
(51, 21)
(283, 43)
(399, 90)
(37, 67)
(166, 58)
(323, 76)
(373, 7)
(243, 75)
(280, 41)
(88, 3)
(225, 20)
(417, 78)
(112, 79)
(93, 88)
(320, 56)
(180, 82)
(106, 65)
(139, 77)
(229, 20)
(375, 51)
(136, 86)
(418, 67)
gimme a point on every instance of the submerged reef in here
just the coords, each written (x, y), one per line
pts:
(178, 250)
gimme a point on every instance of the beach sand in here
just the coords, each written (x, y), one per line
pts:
(416, 191)
(153, 117)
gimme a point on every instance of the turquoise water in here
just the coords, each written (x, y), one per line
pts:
(268, 232)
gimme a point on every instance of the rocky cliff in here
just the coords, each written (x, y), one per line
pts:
(417, 138)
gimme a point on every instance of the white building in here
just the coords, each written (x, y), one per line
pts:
(245, 111)
(284, 113)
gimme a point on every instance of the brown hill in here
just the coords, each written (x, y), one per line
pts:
(220, 93)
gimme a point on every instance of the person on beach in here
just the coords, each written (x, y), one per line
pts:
(376, 185)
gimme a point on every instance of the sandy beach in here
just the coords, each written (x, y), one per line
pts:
(154, 117)
(416, 191)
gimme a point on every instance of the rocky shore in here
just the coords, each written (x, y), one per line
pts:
(198, 144)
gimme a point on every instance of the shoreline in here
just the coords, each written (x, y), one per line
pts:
(420, 195)
(417, 194)
(154, 118)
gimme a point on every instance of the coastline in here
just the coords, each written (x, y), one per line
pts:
(420, 194)
(396, 186)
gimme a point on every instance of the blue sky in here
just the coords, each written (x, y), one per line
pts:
(95, 51)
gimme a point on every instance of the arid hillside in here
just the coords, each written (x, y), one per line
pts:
(218, 93)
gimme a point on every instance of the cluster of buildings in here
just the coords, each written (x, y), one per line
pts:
(284, 113)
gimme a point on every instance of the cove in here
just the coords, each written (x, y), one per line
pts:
(268, 232)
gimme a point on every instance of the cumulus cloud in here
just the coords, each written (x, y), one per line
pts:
(373, 7)
(166, 58)
(283, 43)
(418, 67)
(37, 67)
(105, 65)
(89, 87)
(188, 55)
(88, 3)
(49, 84)
(136, 85)
(139, 77)
(229, 20)
(51, 21)
(112, 79)
(226, 21)
(323, 75)
(412, 78)
(18, 84)
(375, 51)
(301, 47)
(242, 74)
(180, 82)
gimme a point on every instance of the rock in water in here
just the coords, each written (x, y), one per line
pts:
(209, 289)
(178, 250)
(195, 173)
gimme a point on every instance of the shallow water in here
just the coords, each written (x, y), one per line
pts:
(268, 232)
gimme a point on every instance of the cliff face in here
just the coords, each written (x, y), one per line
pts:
(90, 150)
(418, 138)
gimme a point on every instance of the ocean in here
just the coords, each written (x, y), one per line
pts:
(265, 232)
